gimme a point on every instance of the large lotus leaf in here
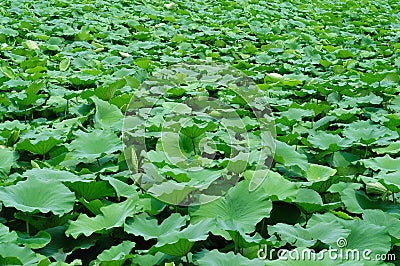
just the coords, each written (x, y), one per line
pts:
(39, 240)
(328, 233)
(288, 156)
(94, 206)
(87, 147)
(343, 159)
(380, 218)
(216, 258)
(203, 178)
(274, 185)
(107, 91)
(179, 244)
(378, 237)
(196, 128)
(111, 216)
(385, 163)
(59, 175)
(200, 179)
(392, 148)
(240, 205)
(292, 234)
(7, 160)
(107, 115)
(170, 191)
(12, 252)
(178, 108)
(297, 114)
(229, 228)
(121, 188)
(116, 255)
(318, 172)
(148, 228)
(8, 128)
(7, 236)
(390, 180)
(38, 195)
(41, 140)
(93, 190)
(192, 233)
(310, 201)
(38, 146)
(327, 218)
(152, 205)
(149, 259)
(61, 246)
(354, 101)
(357, 201)
(171, 240)
(367, 133)
(327, 141)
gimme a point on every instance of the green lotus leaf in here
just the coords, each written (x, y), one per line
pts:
(378, 237)
(92, 190)
(60, 245)
(367, 133)
(149, 259)
(180, 243)
(59, 175)
(107, 91)
(357, 201)
(355, 101)
(39, 142)
(215, 257)
(111, 216)
(328, 232)
(392, 148)
(121, 188)
(384, 164)
(107, 115)
(318, 172)
(86, 149)
(178, 108)
(38, 195)
(310, 201)
(390, 180)
(93, 206)
(148, 228)
(274, 185)
(6, 236)
(116, 255)
(245, 208)
(197, 127)
(343, 159)
(7, 160)
(288, 156)
(290, 234)
(297, 114)
(170, 191)
(327, 141)
(380, 218)
(19, 255)
(40, 240)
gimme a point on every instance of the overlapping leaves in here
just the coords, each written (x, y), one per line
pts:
(67, 73)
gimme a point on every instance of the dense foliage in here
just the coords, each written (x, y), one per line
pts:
(68, 69)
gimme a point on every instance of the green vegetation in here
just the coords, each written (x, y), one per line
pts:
(68, 70)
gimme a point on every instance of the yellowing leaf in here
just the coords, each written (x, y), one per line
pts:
(64, 64)
(32, 45)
